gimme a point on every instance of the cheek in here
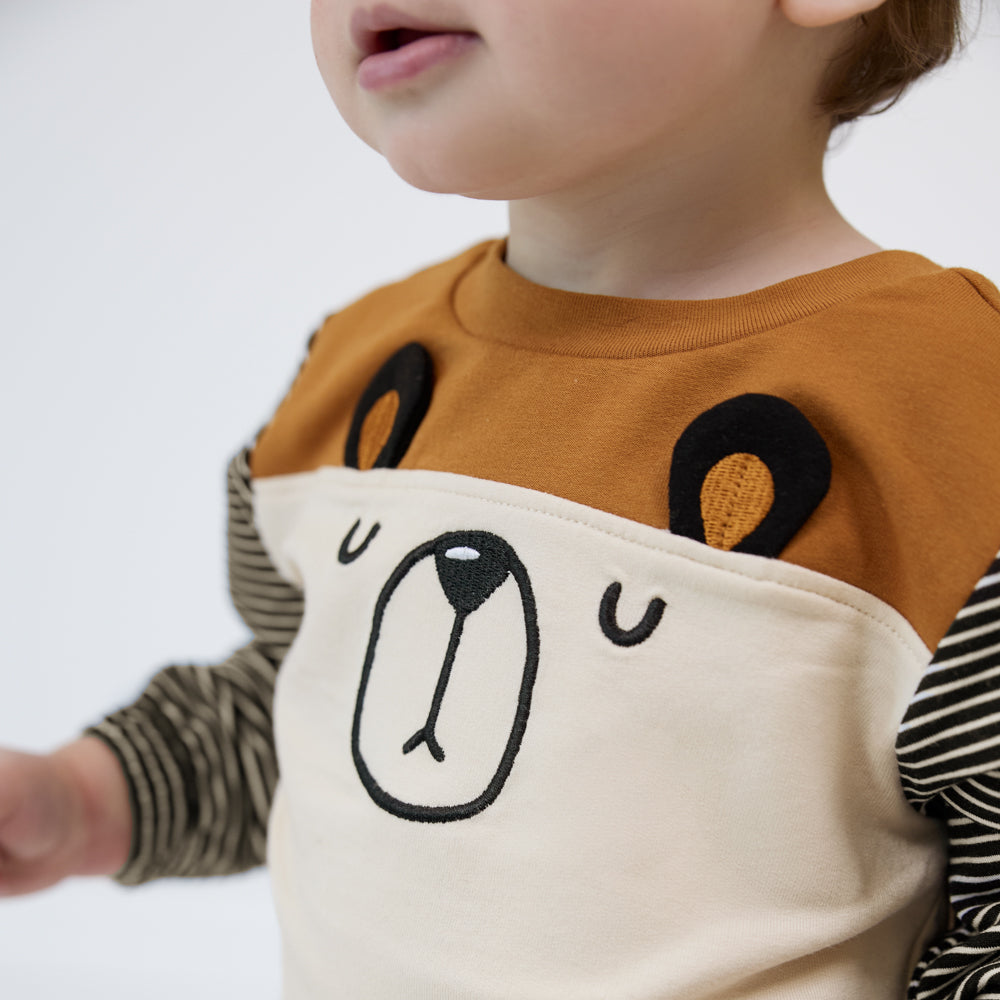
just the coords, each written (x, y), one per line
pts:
(324, 38)
(334, 57)
(613, 65)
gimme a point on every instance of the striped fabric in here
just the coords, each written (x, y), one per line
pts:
(197, 746)
(949, 761)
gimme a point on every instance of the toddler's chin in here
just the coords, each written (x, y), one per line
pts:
(429, 174)
(482, 173)
(448, 152)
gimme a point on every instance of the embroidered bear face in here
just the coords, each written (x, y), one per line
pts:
(745, 476)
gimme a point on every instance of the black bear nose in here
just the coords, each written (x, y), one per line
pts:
(471, 565)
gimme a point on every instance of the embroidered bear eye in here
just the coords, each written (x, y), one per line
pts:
(347, 554)
(608, 618)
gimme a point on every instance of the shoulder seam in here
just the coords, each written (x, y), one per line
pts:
(983, 294)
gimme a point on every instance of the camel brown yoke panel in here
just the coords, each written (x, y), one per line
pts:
(893, 360)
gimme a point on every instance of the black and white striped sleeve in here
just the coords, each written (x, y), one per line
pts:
(197, 746)
(949, 760)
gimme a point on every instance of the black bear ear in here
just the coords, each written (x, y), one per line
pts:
(747, 474)
(390, 410)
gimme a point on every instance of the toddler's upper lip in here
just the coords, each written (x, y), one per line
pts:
(367, 23)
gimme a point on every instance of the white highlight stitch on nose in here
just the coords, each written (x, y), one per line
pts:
(462, 552)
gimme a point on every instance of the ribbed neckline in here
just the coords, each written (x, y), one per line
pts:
(493, 302)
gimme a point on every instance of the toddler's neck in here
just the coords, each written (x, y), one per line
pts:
(684, 231)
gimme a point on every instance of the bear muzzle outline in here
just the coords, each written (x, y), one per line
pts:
(471, 566)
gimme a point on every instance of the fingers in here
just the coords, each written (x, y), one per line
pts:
(36, 821)
(19, 879)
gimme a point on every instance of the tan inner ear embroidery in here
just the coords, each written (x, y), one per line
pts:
(376, 428)
(735, 497)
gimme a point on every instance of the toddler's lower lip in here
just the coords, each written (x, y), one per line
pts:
(386, 69)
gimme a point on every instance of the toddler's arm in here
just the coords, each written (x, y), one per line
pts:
(181, 781)
(197, 747)
(966, 963)
(949, 756)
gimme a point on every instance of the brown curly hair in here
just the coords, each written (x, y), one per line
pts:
(892, 46)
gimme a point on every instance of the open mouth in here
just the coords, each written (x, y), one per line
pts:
(383, 28)
(395, 48)
(397, 38)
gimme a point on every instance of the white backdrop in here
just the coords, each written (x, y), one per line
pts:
(179, 207)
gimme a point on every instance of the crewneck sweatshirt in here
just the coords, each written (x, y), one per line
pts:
(609, 647)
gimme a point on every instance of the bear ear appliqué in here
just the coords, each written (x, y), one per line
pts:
(747, 474)
(390, 410)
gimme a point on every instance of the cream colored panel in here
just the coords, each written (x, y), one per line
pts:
(482, 795)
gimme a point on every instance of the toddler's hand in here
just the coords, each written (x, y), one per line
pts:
(64, 813)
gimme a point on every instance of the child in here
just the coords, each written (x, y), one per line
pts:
(615, 554)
